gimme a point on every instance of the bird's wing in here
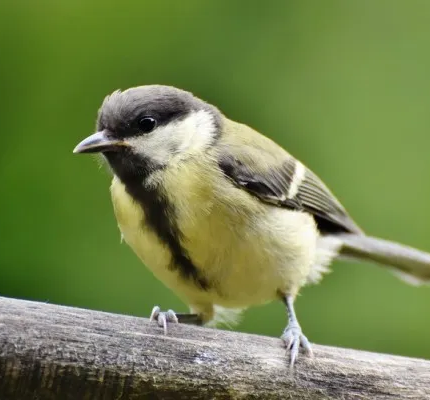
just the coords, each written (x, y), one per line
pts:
(278, 178)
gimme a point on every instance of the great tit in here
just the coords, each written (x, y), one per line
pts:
(221, 214)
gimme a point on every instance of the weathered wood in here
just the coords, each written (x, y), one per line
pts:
(55, 352)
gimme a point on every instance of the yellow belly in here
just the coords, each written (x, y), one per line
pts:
(247, 254)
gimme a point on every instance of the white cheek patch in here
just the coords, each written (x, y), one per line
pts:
(196, 132)
(176, 139)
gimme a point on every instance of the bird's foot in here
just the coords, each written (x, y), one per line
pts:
(163, 317)
(293, 338)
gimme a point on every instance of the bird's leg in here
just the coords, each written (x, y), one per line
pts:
(293, 336)
(163, 317)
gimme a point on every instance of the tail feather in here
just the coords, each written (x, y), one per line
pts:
(409, 264)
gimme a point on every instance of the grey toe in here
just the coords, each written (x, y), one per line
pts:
(293, 339)
(163, 317)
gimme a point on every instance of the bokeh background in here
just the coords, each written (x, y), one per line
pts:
(343, 85)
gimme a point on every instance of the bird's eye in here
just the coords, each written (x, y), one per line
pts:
(147, 124)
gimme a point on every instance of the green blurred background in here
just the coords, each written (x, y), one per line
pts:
(343, 84)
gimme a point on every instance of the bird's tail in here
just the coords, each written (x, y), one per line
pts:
(409, 264)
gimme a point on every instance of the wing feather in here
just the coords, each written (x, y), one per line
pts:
(275, 184)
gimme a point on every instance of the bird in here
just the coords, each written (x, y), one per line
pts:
(221, 214)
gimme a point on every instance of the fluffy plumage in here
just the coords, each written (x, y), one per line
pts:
(220, 213)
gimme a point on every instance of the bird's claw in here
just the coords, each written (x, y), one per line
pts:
(163, 317)
(293, 338)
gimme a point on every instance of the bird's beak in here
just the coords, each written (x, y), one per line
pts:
(98, 143)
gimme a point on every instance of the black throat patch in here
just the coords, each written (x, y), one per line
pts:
(160, 215)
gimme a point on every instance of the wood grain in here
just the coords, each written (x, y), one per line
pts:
(56, 352)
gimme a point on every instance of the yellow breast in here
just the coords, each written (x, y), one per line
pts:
(245, 249)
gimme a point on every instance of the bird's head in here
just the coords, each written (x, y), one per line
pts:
(145, 128)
